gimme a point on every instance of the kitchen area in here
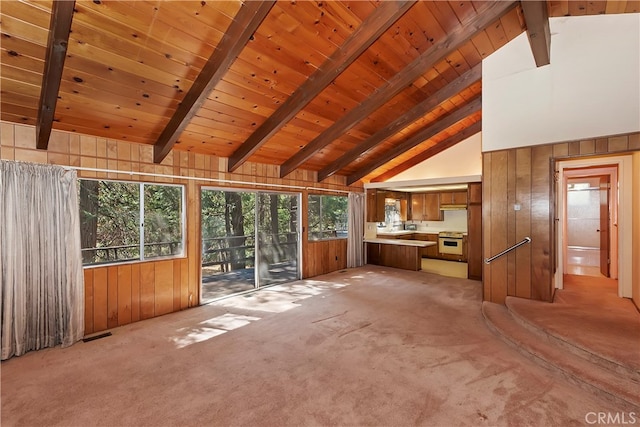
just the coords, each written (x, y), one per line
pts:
(436, 228)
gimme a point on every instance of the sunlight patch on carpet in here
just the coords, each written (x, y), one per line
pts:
(211, 328)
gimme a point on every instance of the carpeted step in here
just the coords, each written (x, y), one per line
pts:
(589, 376)
(587, 345)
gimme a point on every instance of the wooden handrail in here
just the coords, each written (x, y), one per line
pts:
(506, 251)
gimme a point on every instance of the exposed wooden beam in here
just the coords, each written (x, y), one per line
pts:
(486, 15)
(421, 136)
(536, 17)
(245, 23)
(360, 40)
(465, 80)
(431, 151)
(59, 29)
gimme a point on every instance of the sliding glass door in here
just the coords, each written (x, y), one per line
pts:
(277, 238)
(248, 240)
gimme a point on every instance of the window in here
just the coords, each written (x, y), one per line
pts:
(128, 221)
(327, 217)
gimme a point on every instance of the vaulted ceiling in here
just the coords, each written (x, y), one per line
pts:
(358, 88)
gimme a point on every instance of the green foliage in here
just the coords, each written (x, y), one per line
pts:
(327, 216)
(213, 208)
(118, 214)
(162, 219)
(110, 220)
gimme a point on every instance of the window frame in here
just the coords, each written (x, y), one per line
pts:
(309, 231)
(141, 190)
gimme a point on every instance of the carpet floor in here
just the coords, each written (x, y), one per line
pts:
(370, 346)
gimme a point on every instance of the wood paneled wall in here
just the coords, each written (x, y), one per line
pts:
(324, 257)
(124, 293)
(525, 176)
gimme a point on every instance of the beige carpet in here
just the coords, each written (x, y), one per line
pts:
(369, 346)
(589, 314)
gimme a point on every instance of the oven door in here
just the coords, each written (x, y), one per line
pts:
(449, 245)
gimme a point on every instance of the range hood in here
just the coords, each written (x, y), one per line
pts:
(452, 207)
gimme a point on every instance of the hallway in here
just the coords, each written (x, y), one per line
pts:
(583, 261)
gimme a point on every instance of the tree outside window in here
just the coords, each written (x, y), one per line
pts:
(327, 217)
(127, 221)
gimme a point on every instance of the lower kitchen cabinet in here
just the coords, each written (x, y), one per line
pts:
(430, 251)
(397, 256)
(373, 253)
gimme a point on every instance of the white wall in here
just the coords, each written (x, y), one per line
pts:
(590, 89)
(448, 163)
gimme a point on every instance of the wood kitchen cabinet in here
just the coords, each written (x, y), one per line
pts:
(376, 200)
(475, 192)
(372, 208)
(426, 207)
(380, 198)
(396, 256)
(373, 253)
(375, 205)
(453, 198)
(429, 251)
(417, 207)
(474, 234)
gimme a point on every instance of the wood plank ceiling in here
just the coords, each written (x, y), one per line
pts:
(357, 88)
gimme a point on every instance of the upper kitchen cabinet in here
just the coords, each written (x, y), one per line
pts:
(475, 192)
(372, 206)
(378, 200)
(453, 198)
(397, 203)
(426, 207)
(375, 205)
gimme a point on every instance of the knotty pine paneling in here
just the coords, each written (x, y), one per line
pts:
(124, 293)
(523, 176)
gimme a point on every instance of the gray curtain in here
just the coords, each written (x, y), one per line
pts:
(355, 234)
(42, 294)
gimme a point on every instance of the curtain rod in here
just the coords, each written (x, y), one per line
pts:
(195, 178)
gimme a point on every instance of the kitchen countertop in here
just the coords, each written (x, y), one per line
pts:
(403, 232)
(401, 242)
